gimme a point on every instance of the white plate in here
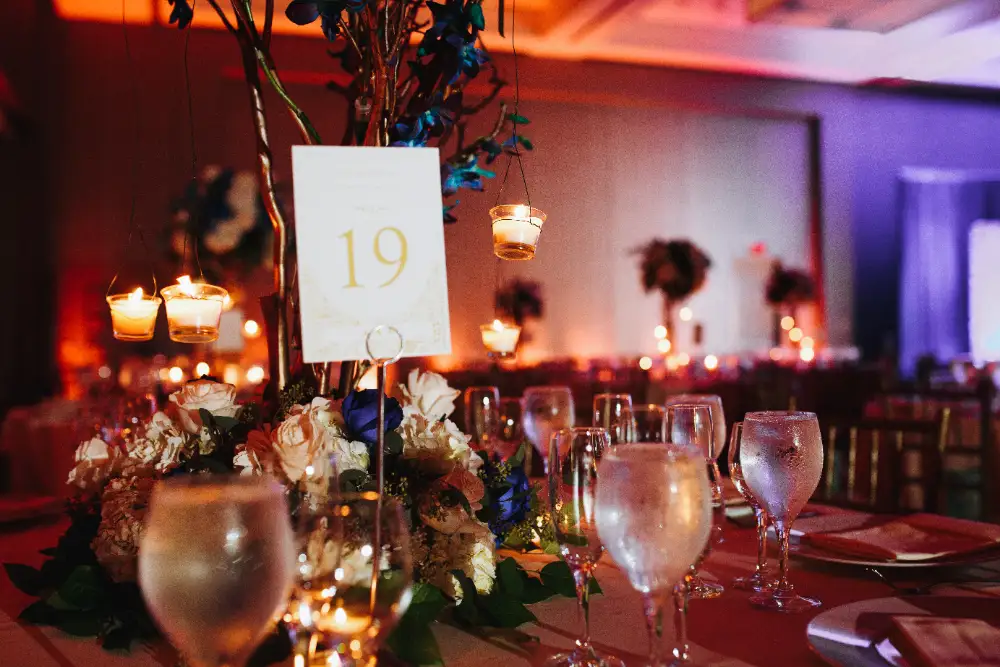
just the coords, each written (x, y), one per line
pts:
(805, 551)
(835, 635)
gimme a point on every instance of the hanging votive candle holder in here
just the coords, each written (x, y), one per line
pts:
(516, 228)
(193, 310)
(500, 339)
(133, 315)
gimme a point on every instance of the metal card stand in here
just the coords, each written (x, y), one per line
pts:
(385, 346)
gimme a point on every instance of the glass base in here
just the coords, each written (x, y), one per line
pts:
(513, 250)
(754, 582)
(583, 659)
(704, 590)
(194, 334)
(788, 603)
(134, 337)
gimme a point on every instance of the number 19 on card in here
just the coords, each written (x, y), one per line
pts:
(399, 261)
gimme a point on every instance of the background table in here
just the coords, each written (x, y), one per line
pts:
(725, 631)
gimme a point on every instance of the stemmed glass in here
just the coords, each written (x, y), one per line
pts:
(613, 412)
(782, 460)
(510, 434)
(691, 425)
(758, 581)
(347, 599)
(573, 457)
(482, 415)
(215, 584)
(546, 410)
(714, 403)
(654, 516)
(649, 423)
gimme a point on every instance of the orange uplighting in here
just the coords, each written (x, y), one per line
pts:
(251, 329)
(787, 322)
(102, 10)
(175, 374)
(807, 354)
(711, 362)
(795, 335)
(645, 363)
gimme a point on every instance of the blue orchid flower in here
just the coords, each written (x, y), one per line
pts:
(360, 409)
(513, 505)
(304, 12)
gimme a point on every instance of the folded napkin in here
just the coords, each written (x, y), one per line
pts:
(917, 537)
(930, 641)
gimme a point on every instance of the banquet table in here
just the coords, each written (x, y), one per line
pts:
(724, 632)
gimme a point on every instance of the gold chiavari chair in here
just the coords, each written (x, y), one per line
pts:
(879, 473)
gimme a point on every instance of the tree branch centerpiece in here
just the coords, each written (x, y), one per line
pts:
(787, 290)
(677, 269)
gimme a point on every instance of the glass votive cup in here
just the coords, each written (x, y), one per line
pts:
(133, 315)
(194, 311)
(500, 339)
(516, 228)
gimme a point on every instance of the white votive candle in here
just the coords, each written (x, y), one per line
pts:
(133, 315)
(500, 339)
(515, 231)
(193, 310)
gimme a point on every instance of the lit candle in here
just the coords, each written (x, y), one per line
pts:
(133, 315)
(193, 310)
(500, 339)
(515, 230)
(340, 624)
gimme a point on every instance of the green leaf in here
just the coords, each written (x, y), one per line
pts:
(551, 547)
(593, 587)
(558, 578)
(427, 603)
(467, 611)
(226, 424)
(414, 644)
(82, 589)
(517, 460)
(476, 17)
(535, 591)
(393, 443)
(83, 624)
(26, 578)
(207, 418)
(352, 480)
(505, 611)
(518, 119)
(526, 142)
(38, 613)
(50, 551)
(511, 578)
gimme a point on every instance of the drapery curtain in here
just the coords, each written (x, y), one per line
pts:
(937, 209)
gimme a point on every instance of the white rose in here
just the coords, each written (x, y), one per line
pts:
(437, 446)
(430, 394)
(123, 512)
(482, 564)
(159, 446)
(254, 456)
(471, 551)
(349, 455)
(95, 460)
(216, 397)
(306, 438)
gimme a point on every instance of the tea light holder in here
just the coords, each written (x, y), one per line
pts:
(193, 310)
(500, 339)
(133, 315)
(516, 228)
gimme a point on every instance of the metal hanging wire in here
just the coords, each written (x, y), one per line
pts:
(515, 148)
(134, 228)
(193, 222)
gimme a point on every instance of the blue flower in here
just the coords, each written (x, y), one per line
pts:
(514, 504)
(181, 14)
(360, 410)
(304, 12)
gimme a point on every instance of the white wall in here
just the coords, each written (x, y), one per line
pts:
(610, 179)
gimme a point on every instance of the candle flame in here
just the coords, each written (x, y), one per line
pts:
(185, 284)
(522, 211)
(497, 325)
(340, 616)
(136, 295)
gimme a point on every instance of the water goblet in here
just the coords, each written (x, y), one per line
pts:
(510, 433)
(714, 403)
(573, 457)
(781, 456)
(214, 585)
(691, 425)
(759, 580)
(613, 412)
(347, 599)
(546, 410)
(660, 493)
(649, 423)
(482, 415)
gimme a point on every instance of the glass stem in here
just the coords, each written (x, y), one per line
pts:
(581, 577)
(653, 606)
(783, 530)
(682, 593)
(761, 540)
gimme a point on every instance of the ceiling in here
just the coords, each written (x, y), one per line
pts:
(845, 41)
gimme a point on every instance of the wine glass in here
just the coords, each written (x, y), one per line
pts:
(216, 564)
(347, 600)
(546, 410)
(613, 412)
(691, 425)
(781, 456)
(714, 402)
(482, 415)
(510, 435)
(573, 457)
(649, 423)
(758, 581)
(653, 511)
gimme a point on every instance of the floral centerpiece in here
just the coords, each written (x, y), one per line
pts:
(461, 505)
(676, 268)
(520, 301)
(787, 290)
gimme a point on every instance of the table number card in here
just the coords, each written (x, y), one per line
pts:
(370, 239)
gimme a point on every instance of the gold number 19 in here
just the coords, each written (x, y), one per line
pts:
(399, 262)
